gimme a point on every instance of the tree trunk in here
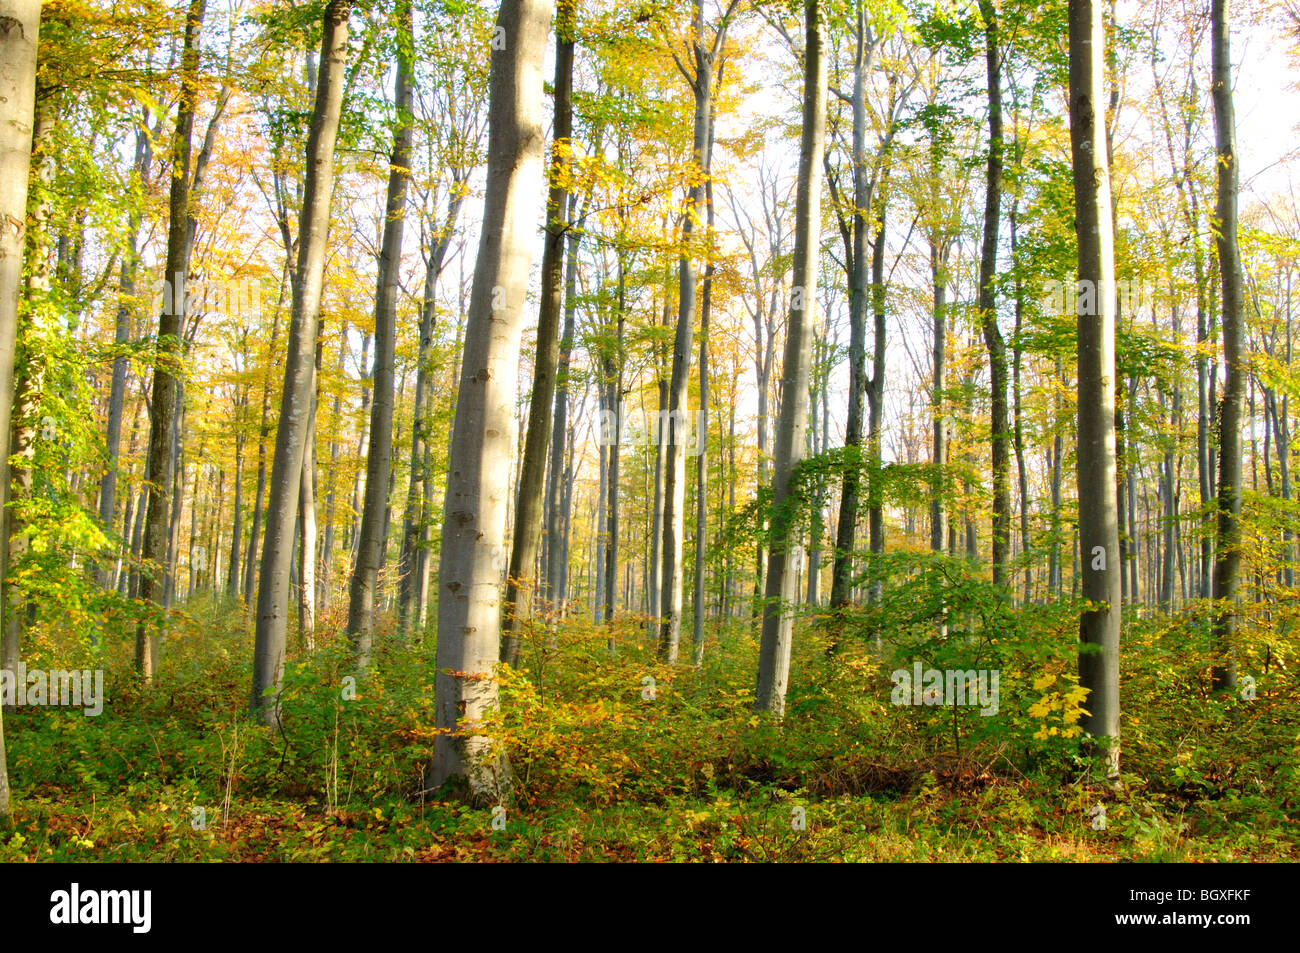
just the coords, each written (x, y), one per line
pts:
(1099, 625)
(614, 373)
(300, 357)
(19, 23)
(778, 620)
(674, 523)
(556, 569)
(121, 336)
(876, 390)
(1229, 541)
(520, 583)
(414, 558)
(1018, 428)
(939, 278)
(846, 524)
(363, 440)
(307, 524)
(702, 457)
(237, 517)
(166, 390)
(263, 431)
(469, 612)
(1168, 487)
(988, 305)
(365, 573)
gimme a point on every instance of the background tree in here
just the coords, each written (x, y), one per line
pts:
(774, 651)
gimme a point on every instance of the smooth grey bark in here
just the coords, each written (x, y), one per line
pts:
(137, 540)
(1054, 570)
(764, 313)
(702, 459)
(614, 374)
(940, 250)
(1229, 537)
(700, 79)
(469, 580)
(415, 559)
(365, 572)
(1018, 428)
(300, 356)
(779, 592)
(307, 522)
(237, 517)
(1169, 463)
(1134, 542)
(121, 336)
(177, 479)
(1100, 568)
(556, 565)
(817, 393)
(520, 584)
(324, 580)
(122, 567)
(856, 263)
(993, 339)
(166, 388)
(876, 388)
(655, 574)
(263, 432)
(363, 440)
(19, 25)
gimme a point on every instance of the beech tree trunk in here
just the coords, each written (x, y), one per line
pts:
(988, 304)
(307, 525)
(1228, 542)
(702, 459)
(166, 390)
(19, 25)
(679, 415)
(556, 569)
(121, 336)
(469, 577)
(414, 559)
(1100, 567)
(856, 251)
(300, 359)
(520, 584)
(365, 573)
(779, 592)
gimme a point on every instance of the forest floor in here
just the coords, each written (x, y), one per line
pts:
(610, 765)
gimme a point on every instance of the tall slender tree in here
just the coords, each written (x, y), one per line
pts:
(365, 573)
(1099, 626)
(1227, 564)
(699, 75)
(299, 366)
(780, 591)
(469, 579)
(165, 404)
(988, 301)
(528, 503)
(20, 22)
